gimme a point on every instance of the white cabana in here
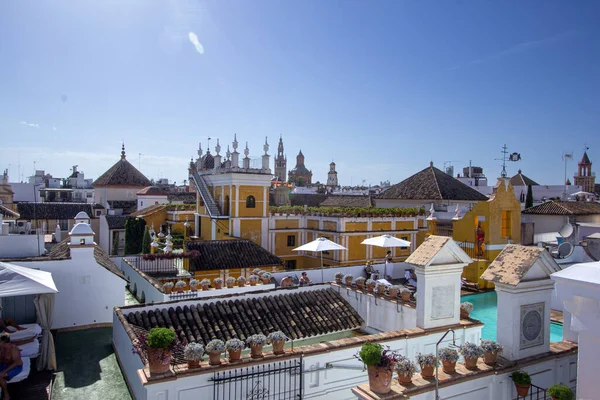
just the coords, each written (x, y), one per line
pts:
(386, 241)
(320, 245)
(21, 281)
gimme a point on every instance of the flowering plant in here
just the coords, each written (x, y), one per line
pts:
(241, 279)
(193, 352)
(396, 287)
(427, 360)
(257, 340)
(215, 345)
(381, 287)
(370, 282)
(339, 275)
(448, 354)
(471, 350)
(205, 282)
(234, 344)
(348, 277)
(361, 279)
(276, 336)
(266, 275)
(194, 283)
(375, 354)
(231, 279)
(490, 345)
(404, 290)
(405, 367)
(168, 285)
(172, 255)
(180, 284)
(218, 281)
(256, 271)
(253, 278)
(466, 306)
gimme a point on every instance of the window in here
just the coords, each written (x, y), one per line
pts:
(404, 238)
(142, 203)
(291, 240)
(506, 223)
(81, 241)
(98, 213)
(156, 203)
(290, 264)
(250, 202)
(64, 224)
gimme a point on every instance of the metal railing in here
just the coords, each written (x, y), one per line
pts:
(155, 267)
(472, 251)
(207, 198)
(535, 393)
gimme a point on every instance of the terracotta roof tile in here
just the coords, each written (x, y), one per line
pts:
(148, 210)
(564, 208)
(512, 264)
(347, 201)
(152, 191)
(116, 221)
(310, 200)
(185, 197)
(230, 254)
(521, 180)
(427, 250)
(55, 210)
(122, 173)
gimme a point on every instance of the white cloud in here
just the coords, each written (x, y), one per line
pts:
(29, 124)
(54, 129)
(194, 39)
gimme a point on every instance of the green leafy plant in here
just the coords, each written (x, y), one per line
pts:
(146, 241)
(160, 338)
(561, 392)
(521, 378)
(374, 354)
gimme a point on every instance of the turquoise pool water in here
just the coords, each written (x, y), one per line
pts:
(484, 309)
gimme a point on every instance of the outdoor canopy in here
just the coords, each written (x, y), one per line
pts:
(320, 244)
(386, 241)
(21, 281)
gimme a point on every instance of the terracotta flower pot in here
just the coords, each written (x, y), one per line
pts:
(159, 360)
(278, 347)
(168, 290)
(235, 355)
(179, 290)
(214, 358)
(489, 358)
(393, 294)
(464, 314)
(205, 287)
(193, 364)
(404, 379)
(371, 288)
(218, 285)
(449, 367)
(380, 379)
(360, 285)
(266, 281)
(348, 282)
(427, 372)
(195, 288)
(252, 283)
(229, 285)
(256, 351)
(471, 362)
(338, 281)
(241, 283)
(522, 390)
(405, 296)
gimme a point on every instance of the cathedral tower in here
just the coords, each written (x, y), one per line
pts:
(332, 178)
(584, 177)
(280, 162)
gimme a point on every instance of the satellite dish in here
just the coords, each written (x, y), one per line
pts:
(565, 250)
(566, 230)
(540, 245)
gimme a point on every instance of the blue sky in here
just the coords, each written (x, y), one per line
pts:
(381, 88)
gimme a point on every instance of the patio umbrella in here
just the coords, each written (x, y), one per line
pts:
(386, 241)
(320, 245)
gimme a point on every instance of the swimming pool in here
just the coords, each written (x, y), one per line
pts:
(484, 310)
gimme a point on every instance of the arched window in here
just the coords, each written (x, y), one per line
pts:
(250, 202)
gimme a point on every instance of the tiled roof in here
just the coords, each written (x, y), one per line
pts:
(128, 206)
(585, 159)
(148, 210)
(7, 212)
(116, 221)
(427, 250)
(310, 200)
(230, 254)
(521, 180)
(62, 251)
(122, 173)
(185, 197)
(432, 184)
(564, 208)
(298, 314)
(152, 191)
(347, 201)
(512, 264)
(54, 210)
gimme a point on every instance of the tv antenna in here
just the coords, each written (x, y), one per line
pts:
(504, 159)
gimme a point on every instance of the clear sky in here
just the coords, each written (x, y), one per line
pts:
(380, 87)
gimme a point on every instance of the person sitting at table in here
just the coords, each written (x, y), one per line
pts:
(410, 277)
(465, 283)
(304, 281)
(287, 282)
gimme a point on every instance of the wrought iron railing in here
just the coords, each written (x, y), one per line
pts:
(535, 393)
(154, 267)
(472, 250)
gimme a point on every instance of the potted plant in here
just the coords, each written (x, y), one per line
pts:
(465, 309)
(256, 343)
(241, 281)
(522, 382)
(471, 352)
(230, 282)
(405, 369)
(348, 278)
(561, 392)
(256, 271)
(179, 286)
(278, 340)
(380, 364)
(168, 287)
(266, 278)
(449, 358)
(381, 288)
(260, 273)
(370, 285)
(491, 349)
(253, 279)
(193, 353)
(194, 285)
(214, 348)
(393, 291)
(360, 282)
(158, 346)
(405, 294)
(427, 362)
(338, 277)
(218, 282)
(234, 347)
(205, 284)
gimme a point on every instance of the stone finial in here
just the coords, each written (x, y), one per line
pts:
(266, 146)
(235, 142)
(123, 151)
(431, 213)
(246, 150)
(228, 153)
(457, 212)
(218, 147)
(199, 149)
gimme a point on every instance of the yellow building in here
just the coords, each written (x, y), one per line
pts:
(495, 222)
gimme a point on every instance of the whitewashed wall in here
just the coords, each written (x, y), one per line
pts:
(396, 270)
(21, 246)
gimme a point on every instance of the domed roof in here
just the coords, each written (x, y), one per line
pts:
(81, 229)
(122, 173)
(208, 161)
(82, 215)
(301, 169)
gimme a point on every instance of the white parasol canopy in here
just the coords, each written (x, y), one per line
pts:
(320, 244)
(386, 241)
(21, 281)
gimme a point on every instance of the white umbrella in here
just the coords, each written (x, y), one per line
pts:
(320, 245)
(386, 241)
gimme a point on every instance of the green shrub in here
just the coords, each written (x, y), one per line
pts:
(370, 353)
(561, 392)
(160, 338)
(521, 378)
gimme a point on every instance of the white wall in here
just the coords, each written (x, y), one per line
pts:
(147, 201)
(21, 246)
(87, 292)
